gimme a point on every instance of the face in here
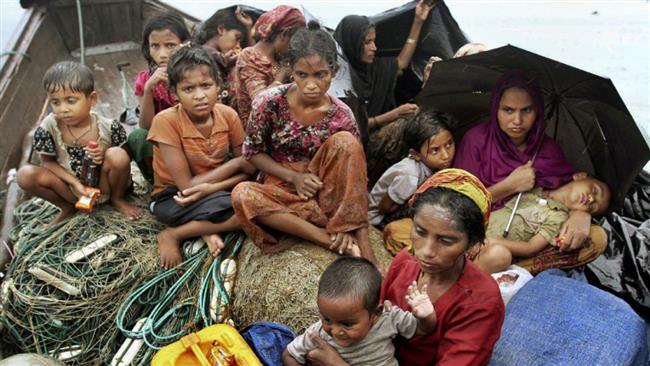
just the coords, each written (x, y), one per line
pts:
(71, 108)
(313, 77)
(162, 44)
(589, 195)
(225, 40)
(438, 152)
(198, 92)
(368, 48)
(516, 114)
(439, 246)
(281, 44)
(345, 319)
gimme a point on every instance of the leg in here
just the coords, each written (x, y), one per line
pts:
(115, 180)
(169, 240)
(42, 183)
(493, 258)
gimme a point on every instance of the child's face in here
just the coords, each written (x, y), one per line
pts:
(516, 114)
(162, 44)
(225, 40)
(70, 107)
(345, 319)
(587, 194)
(438, 152)
(313, 77)
(198, 92)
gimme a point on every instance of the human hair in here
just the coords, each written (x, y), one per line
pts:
(423, 126)
(186, 59)
(223, 17)
(312, 41)
(165, 21)
(464, 212)
(69, 75)
(352, 277)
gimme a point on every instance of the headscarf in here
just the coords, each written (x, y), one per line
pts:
(280, 17)
(374, 83)
(462, 182)
(488, 152)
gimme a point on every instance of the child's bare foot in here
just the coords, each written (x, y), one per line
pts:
(169, 249)
(215, 243)
(130, 211)
(66, 211)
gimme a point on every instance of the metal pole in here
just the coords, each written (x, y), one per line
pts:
(81, 33)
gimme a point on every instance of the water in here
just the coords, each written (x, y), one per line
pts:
(608, 38)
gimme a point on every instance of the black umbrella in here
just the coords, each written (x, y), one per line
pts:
(584, 112)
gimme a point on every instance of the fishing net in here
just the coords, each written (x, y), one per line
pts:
(39, 317)
(282, 287)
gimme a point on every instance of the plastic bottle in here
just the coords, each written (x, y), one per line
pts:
(90, 171)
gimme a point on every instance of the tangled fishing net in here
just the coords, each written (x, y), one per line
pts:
(282, 287)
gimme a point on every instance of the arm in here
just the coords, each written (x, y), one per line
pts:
(421, 13)
(288, 360)
(522, 179)
(523, 249)
(575, 231)
(49, 162)
(324, 354)
(386, 205)
(306, 184)
(247, 21)
(254, 81)
(147, 108)
(403, 111)
(422, 308)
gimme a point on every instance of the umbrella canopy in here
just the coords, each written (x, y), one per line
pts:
(584, 112)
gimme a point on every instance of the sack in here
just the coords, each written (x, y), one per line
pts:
(130, 116)
(268, 340)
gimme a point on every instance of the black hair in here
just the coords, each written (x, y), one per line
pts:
(223, 17)
(423, 126)
(352, 276)
(312, 41)
(69, 75)
(169, 21)
(463, 211)
(189, 58)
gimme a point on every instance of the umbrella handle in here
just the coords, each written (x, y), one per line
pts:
(512, 216)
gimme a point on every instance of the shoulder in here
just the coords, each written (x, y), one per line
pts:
(403, 260)
(142, 76)
(270, 95)
(169, 117)
(49, 123)
(225, 111)
(103, 121)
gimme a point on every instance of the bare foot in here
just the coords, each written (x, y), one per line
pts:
(215, 243)
(353, 251)
(344, 243)
(169, 249)
(66, 211)
(130, 211)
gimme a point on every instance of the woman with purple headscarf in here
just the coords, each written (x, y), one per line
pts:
(500, 150)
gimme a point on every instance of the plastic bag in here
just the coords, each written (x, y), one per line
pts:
(268, 340)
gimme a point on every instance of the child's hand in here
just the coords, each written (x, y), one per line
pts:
(78, 189)
(192, 194)
(307, 185)
(96, 154)
(244, 18)
(159, 75)
(418, 300)
(406, 110)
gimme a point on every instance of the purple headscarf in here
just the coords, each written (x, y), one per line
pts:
(488, 152)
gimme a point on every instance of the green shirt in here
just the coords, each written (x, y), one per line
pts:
(535, 215)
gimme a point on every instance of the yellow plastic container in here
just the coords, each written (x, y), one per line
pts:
(194, 348)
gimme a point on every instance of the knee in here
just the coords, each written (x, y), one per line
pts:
(346, 141)
(28, 176)
(116, 158)
(238, 193)
(498, 256)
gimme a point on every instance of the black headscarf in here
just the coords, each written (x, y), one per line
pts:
(374, 83)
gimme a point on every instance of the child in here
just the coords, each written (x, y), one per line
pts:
(539, 218)
(61, 141)
(352, 320)
(431, 148)
(191, 145)
(162, 35)
(223, 35)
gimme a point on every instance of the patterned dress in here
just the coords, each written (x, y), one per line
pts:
(329, 148)
(254, 72)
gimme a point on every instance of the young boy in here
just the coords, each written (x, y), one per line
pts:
(538, 220)
(192, 173)
(62, 141)
(352, 320)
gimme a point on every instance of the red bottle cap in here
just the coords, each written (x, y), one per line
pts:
(92, 144)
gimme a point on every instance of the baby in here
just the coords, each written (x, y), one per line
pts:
(352, 320)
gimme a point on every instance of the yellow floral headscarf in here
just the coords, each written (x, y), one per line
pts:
(462, 182)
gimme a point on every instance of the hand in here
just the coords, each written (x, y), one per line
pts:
(244, 18)
(96, 154)
(575, 232)
(192, 194)
(470, 49)
(423, 8)
(306, 185)
(388, 306)
(522, 179)
(345, 243)
(159, 75)
(427, 68)
(231, 56)
(323, 354)
(419, 301)
(406, 110)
